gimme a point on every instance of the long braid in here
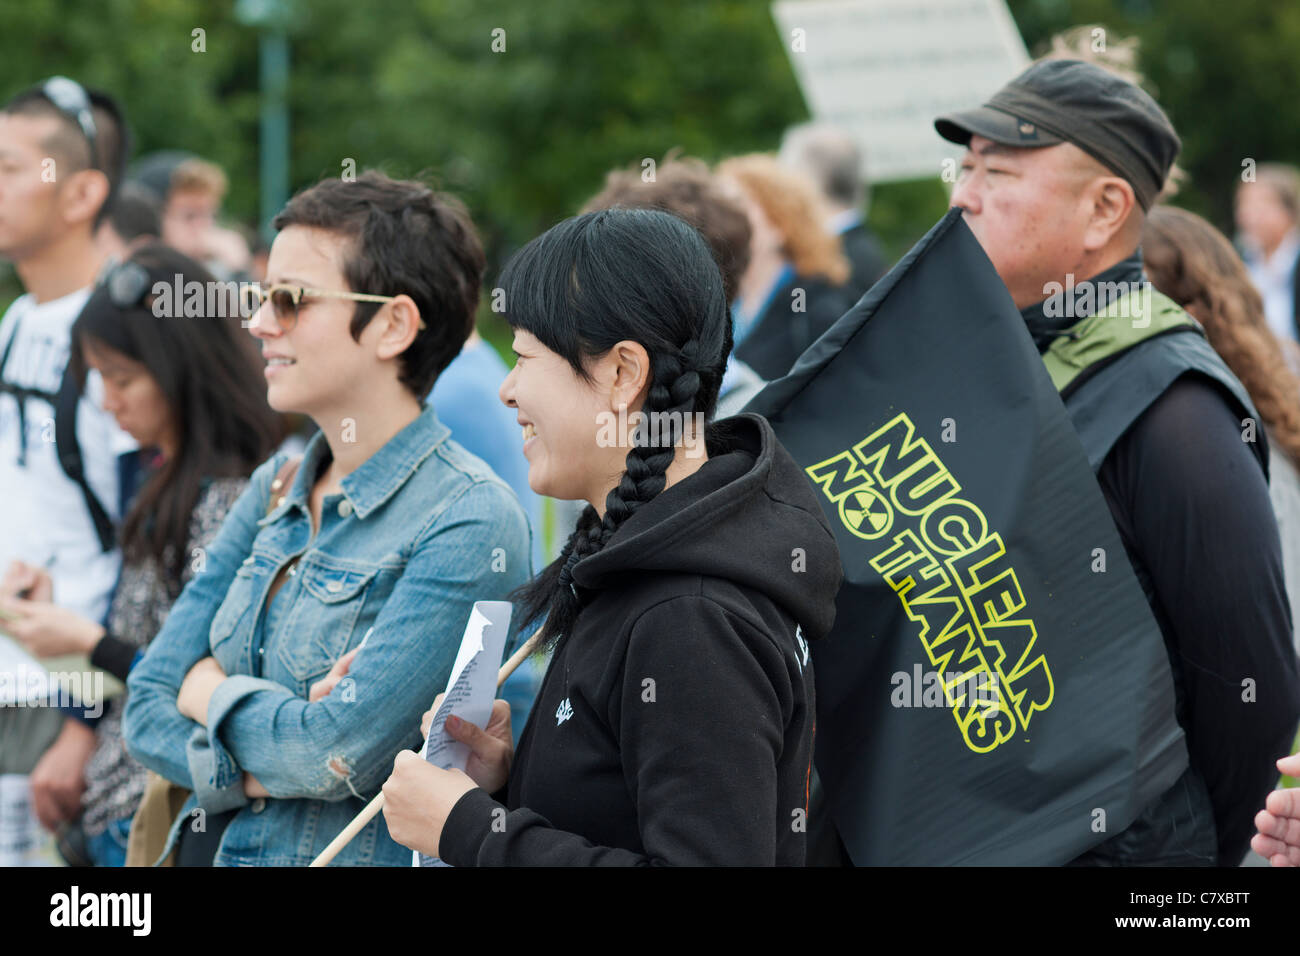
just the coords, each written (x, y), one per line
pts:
(675, 386)
(540, 596)
(671, 399)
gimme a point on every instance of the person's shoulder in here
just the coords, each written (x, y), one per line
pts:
(259, 482)
(827, 301)
(1193, 436)
(1191, 405)
(462, 485)
(707, 625)
(478, 369)
(16, 309)
(483, 357)
(860, 240)
(216, 498)
(268, 469)
(691, 608)
(218, 494)
(456, 465)
(62, 311)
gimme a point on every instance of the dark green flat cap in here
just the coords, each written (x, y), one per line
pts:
(1056, 101)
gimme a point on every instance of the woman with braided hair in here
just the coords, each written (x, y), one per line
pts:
(675, 722)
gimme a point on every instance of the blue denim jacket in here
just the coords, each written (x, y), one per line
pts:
(421, 531)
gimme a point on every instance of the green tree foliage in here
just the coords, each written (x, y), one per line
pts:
(525, 135)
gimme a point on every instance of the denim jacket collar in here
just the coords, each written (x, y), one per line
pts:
(380, 475)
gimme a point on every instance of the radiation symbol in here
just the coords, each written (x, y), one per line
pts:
(866, 513)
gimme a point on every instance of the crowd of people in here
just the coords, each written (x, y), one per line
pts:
(269, 534)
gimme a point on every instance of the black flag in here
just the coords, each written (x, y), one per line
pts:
(995, 690)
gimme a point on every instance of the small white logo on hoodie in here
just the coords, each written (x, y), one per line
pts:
(563, 712)
(802, 659)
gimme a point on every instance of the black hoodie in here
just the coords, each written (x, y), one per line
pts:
(675, 724)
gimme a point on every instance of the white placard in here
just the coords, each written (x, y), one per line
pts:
(471, 689)
(882, 70)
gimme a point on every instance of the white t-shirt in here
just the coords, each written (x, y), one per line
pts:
(43, 515)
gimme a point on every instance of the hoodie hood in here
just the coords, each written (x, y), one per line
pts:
(748, 515)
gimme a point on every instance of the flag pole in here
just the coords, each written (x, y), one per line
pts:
(374, 806)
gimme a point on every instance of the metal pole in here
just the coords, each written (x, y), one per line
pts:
(274, 159)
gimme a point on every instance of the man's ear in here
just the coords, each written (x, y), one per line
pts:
(399, 323)
(84, 194)
(1113, 200)
(627, 371)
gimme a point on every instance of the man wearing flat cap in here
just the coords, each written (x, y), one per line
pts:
(1062, 165)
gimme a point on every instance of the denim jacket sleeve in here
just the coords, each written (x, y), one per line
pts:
(156, 733)
(344, 744)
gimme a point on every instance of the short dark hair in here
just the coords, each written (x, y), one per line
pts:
(112, 138)
(686, 188)
(134, 213)
(405, 239)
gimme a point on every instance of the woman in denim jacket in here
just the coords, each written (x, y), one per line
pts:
(387, 534)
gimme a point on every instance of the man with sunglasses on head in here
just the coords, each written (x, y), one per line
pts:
(62, 154)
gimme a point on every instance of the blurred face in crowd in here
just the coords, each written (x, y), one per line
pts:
(1040, 214)
(188, 221)
(1261, 216)
(132, 396)
(42, 195)
(562, 414)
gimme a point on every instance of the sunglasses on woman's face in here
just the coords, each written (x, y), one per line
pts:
(285, 300)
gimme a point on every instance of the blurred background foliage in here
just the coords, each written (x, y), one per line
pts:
(526, 135)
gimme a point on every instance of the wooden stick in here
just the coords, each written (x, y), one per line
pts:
(374, 806)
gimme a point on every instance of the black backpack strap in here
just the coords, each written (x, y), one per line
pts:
(69, 451)
(4, 359)
(19, 394)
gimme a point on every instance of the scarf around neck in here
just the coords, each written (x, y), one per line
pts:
(1077, 301)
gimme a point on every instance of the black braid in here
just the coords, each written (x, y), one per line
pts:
(543, 594)
(673, 392)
